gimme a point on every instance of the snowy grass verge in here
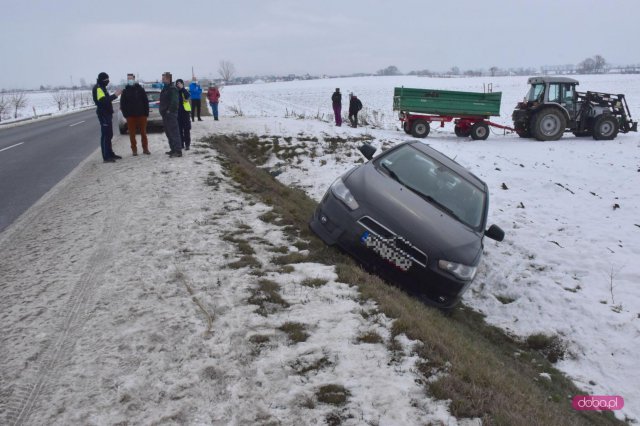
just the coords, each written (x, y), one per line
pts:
(484, 373)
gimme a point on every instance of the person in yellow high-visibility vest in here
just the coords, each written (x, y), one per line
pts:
(184, 114)
(104, 110)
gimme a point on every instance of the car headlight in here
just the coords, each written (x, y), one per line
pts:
(342, 193)
(463, 272)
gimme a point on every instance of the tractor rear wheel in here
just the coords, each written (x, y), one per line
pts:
(420, 129)
(548, 125)
(605, 128)
(479, 131)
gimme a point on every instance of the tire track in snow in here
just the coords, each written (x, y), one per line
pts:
(26, 396)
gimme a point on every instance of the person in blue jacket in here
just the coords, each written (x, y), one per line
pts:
(104, 110)
(196, 94)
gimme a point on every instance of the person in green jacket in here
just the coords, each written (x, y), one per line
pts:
(169, 113)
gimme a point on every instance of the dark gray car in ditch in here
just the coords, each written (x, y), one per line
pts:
(413, 215)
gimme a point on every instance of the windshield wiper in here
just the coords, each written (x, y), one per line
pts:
(392, 173)
(438, 204)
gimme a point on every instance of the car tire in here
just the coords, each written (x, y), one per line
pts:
(479, 131)
(605, 128)
(548, 125)
(420, 129)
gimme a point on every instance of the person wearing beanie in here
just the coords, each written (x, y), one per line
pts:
(196, 95)
(184, 109)
(169, 113)
(336, 100)
(134, 105)
(354, 107)
(104, 110)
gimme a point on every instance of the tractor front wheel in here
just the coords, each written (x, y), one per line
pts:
(605, 128)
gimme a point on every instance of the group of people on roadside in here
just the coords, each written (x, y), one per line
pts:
(177, 105)
(354, 107)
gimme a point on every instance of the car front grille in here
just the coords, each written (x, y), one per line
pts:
(398, 242)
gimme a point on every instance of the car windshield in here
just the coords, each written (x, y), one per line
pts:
(436, 184)
(153, 96)
(535, 93)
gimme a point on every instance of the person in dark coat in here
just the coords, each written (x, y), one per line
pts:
(336, 100)
(169, 112)
(104, 110)
(134, 104)
(184, 110)
(354, 107)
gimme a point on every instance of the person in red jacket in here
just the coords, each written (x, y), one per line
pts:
(213, 95)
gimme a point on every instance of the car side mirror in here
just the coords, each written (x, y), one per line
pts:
(495, 233)
(367, 150)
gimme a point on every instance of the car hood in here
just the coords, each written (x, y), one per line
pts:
(402, 211)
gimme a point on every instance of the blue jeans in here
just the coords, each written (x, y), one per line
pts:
(106, 134)
(214, 109)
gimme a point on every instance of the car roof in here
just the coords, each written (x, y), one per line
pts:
(449, 162)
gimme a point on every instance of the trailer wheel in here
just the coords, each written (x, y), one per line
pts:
(479, 131)
(407, 127)
(605, 128)
(461, 133)
(420, 129)
(548, 125)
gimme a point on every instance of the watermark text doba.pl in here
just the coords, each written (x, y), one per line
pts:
(597, 402)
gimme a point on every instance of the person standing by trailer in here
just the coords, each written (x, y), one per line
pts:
(213, 95)
(169, 112)
(104, 110)
(336, 100)
(354, 107)
(184, 110)
(196, 95)
(134, 105)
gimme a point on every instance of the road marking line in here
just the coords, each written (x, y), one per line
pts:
(12, 146)
(71, 125)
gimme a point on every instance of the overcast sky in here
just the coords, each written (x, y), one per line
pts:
(59, 42)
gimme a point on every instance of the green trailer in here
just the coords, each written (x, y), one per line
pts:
(470, 111)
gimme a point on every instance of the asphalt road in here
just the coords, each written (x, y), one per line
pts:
(36, 156)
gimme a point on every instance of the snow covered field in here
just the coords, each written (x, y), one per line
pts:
(569, 264)
(99, 321)
(47, 103)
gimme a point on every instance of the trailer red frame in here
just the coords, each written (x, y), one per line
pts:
(476, 126)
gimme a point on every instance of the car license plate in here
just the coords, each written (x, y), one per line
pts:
(387, 249)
